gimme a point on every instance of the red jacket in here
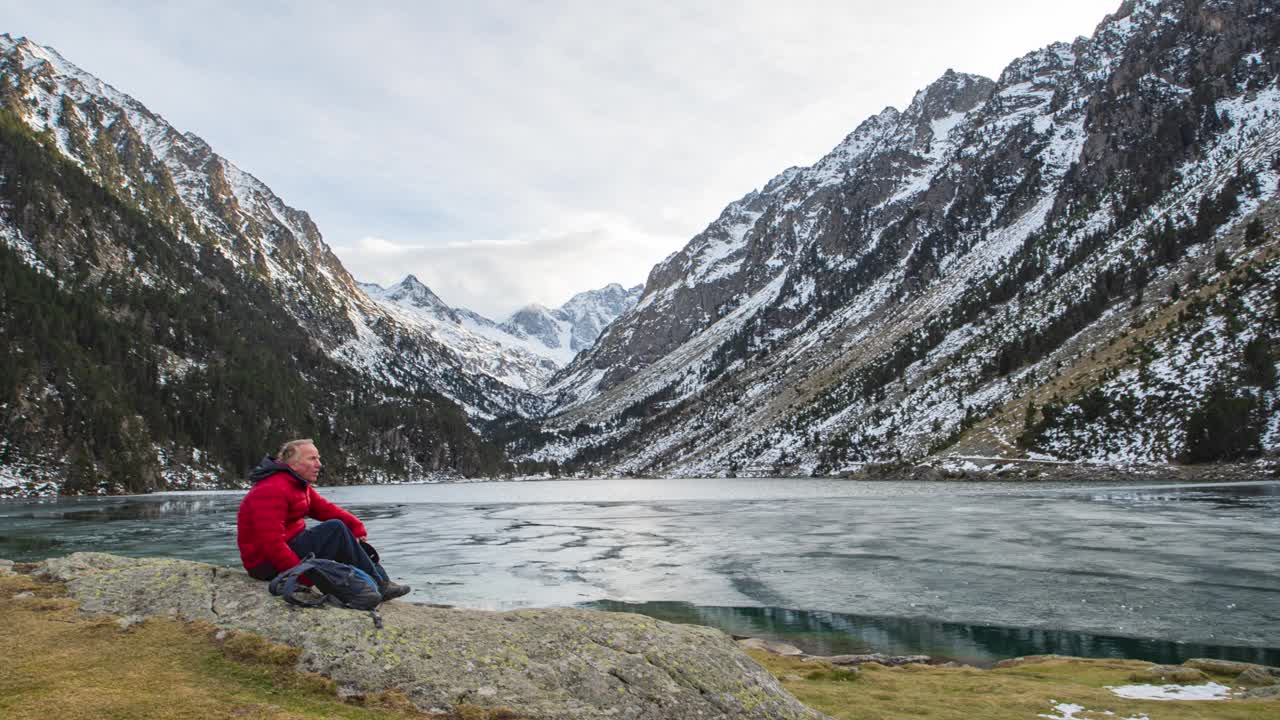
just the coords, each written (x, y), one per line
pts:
(271, 514)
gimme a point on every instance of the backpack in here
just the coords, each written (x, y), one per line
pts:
(348, 585)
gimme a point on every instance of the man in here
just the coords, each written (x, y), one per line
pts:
(273, 535)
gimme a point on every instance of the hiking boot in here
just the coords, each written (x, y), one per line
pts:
(391, 590)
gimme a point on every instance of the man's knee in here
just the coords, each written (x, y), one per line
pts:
(334, 528)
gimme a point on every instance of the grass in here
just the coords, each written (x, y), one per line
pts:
(1021, 692)
(59, 664)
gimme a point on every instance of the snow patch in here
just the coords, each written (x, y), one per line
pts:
(1207, 691)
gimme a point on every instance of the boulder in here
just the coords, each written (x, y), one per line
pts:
(1169, 674)
(885, 660)
(548, 663)
(1228, 667)
(6, 567)
(1256, 676)
(1269, 691)
(772, 646)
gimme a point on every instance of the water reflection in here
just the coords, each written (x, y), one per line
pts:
(1233, 495)
(828, 633)
(141, 510)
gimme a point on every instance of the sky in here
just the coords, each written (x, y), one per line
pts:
(508, 152)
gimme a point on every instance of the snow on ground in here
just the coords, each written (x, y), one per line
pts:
(722, 248)
(1207, 691)
(1071, 711)
(10, 236)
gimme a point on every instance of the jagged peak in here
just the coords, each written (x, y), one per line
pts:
(588, 300)
(951, 93)
(888, 117)
(531, 309)
(782, 179)
(1055, 57)
(411, 291)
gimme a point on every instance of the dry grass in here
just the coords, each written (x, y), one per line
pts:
(1022, 692)
(58, 664)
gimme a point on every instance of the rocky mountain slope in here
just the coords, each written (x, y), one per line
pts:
(166, 317)
(210, 204)
(1074, 261)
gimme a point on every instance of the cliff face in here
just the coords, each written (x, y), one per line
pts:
(1004, 267)
(546, 663)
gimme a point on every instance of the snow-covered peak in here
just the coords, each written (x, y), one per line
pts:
(410, 292)
(575, 325)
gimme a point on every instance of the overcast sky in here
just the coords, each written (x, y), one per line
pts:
(513, 152)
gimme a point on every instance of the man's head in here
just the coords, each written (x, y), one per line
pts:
(302, 457)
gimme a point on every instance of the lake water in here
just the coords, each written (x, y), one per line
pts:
(970, 571)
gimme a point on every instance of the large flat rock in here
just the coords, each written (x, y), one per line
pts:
(552, 663)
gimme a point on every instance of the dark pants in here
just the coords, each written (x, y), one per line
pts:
(331, 540)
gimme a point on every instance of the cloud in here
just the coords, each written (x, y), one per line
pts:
(495, 277)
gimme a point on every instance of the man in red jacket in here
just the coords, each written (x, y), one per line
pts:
(272, 532)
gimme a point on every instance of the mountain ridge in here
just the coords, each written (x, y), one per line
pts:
(1074, 262)
(944, 260)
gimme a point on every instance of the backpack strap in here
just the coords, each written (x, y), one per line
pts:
(286, 584)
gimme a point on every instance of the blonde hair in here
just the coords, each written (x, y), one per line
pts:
(290, 449)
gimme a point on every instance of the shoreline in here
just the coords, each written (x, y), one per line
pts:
(959, 470)
(76, 611)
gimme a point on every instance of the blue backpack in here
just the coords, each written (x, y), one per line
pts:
(350, 586)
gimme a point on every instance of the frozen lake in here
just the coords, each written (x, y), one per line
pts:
(974, 571)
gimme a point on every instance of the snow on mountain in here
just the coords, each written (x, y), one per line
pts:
(574, 326)
(211, 204)
(523, 351)
(950, 265)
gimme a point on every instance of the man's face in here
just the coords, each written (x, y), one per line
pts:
(306, 463)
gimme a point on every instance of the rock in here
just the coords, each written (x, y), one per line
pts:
(886, 660)
(1256, 676)
(1270, 691)
(1028, 660)
(552, 663)
(773, 646)
(1169, 674)
(129, 621)
(6, 568)
(23, 595)
(1227, 667)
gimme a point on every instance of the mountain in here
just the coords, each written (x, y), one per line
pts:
(469, 337)
(574, 326)
(1075, 261)
(526, 349)
(167, 318)
(207, 202)
(410, 292)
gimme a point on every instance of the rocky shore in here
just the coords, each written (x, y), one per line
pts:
(991, 469)
(554, 663)
(448, 664)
